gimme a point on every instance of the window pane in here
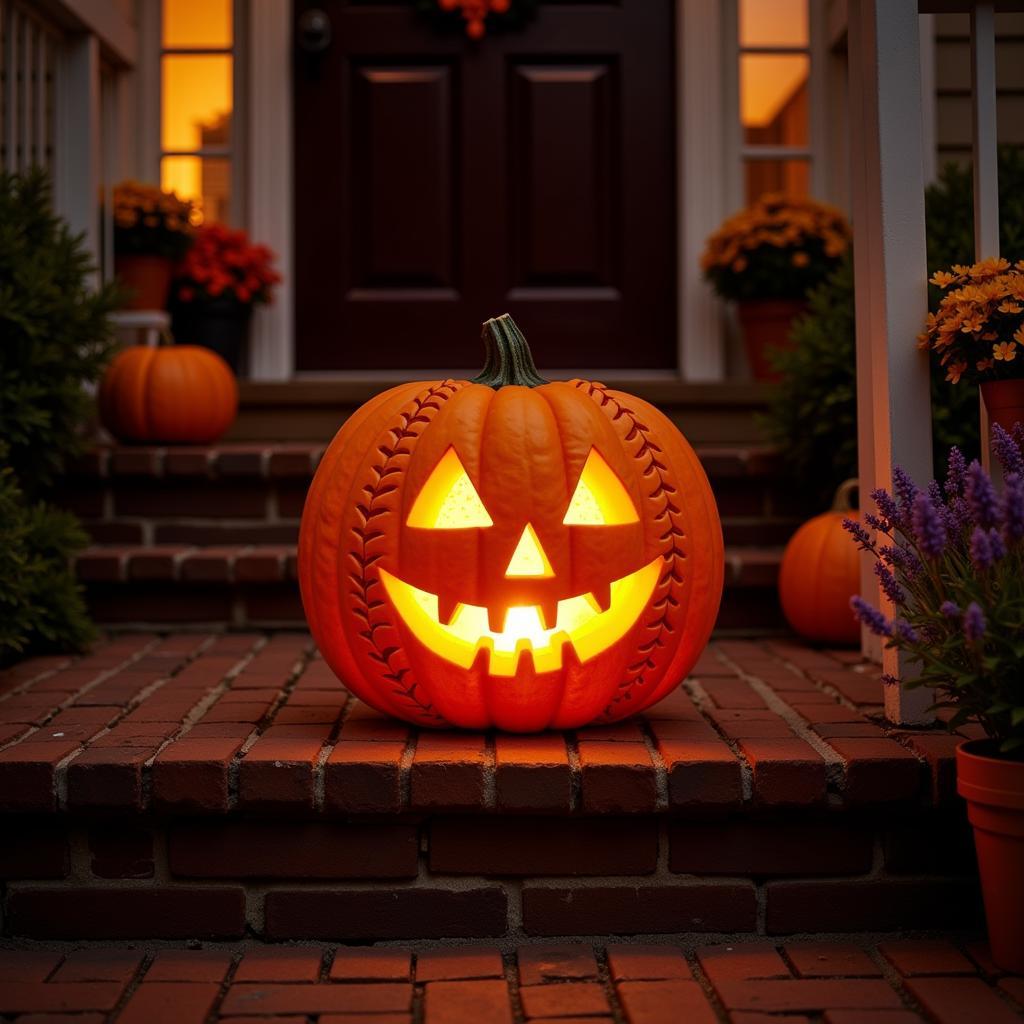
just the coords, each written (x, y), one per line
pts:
(773, 22)
(789, 176)
(197, 23)
(204, 180)
(196, 102)
(773, 98)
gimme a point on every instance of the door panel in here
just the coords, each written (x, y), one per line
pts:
(440, 182)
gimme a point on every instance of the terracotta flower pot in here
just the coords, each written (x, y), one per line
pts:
(146, 280)
(1004, 400)
(766, 325)
(994, 790)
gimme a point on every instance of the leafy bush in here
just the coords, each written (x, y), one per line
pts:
(54, 338)
(54, 330)
(813, 417)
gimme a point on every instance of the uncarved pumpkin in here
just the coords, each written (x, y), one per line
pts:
(176, 394)
(819, 573)
(510, 552)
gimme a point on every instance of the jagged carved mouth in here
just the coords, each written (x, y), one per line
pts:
(580, 622)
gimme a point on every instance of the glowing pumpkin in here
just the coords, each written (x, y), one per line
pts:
(820, 571)
(510, 552)
(176, 394)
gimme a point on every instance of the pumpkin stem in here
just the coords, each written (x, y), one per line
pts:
(508, 358)
(844, 492)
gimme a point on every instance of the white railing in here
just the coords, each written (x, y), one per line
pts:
(887, 191)
(27, 88)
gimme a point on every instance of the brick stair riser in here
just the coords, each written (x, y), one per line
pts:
(499, 877)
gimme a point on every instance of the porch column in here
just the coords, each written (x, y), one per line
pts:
(887, 191)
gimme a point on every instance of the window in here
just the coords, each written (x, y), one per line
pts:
(774, 77)
(198, 138)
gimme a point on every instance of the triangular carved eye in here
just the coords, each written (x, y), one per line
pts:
(448, 500)
(600, 499)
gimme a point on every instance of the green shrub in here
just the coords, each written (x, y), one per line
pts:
(813, 416)
(41, 607)
(54, 339)
(54, 330)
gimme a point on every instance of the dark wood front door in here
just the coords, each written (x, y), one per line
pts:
(441, 181)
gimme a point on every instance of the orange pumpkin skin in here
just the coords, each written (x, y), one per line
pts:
(524, 449)
(177, 394)
(820, 571)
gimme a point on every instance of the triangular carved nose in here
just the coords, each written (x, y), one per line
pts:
(529, 559)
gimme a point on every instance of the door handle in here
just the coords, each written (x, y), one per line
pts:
(314, 30)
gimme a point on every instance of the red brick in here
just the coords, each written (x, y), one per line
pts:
(741, 961)
(786, 772)
(108, 777)
(543, 846)
(363, 777)
(292, 963)
(1014, 988)
(189, 965)
(770, 848)
(448, 771)
(817, 713)
(209, 564)
(99, 965)
(961, 1001)
(102, 565)
(27, 775)
(297, 460)
(182, 499)
(616, 777)
(41, 850)
(156, 562)
(336, 1018)
(862, 1017)
(701, 773)
(828, 730)
(935, 843)
(164, 913)
(261, 564)
(455, 1002)
(459, 963)
(665, 1002)
(732, 693)
(939, 752)
(631, 910)
(532, 773)
(28, 965)
(371, 965)
(570, 999)
(279, 771)
(774, 996)
(252, 849)
(409, 913)
(647, 963)
(188, 461)
(556, 963)
(831, 960)
(155, 1002)
(266, 999)
(121, 850)
(18, 997)
(753, 1017)
(877, 770)
(869, 905)
(925, 956)
(193, 774)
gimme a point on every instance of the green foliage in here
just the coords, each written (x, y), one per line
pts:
(54, 333)
(41, 606)
(813, 416)
(54, 338)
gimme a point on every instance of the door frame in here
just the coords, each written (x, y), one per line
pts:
(707, 179)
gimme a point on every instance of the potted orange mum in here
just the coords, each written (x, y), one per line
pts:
(977, 333)
(765, 259)
(152, 231)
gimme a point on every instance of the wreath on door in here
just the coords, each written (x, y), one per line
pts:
(476, 16)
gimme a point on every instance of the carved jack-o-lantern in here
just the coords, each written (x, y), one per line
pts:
(508, 551)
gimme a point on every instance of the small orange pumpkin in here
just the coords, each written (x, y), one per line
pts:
(509, 551)
(173, 394)
(819, 573)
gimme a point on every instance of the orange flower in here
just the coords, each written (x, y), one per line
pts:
(1005, 351)
(954, 372)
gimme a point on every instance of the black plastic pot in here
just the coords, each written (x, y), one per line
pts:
(220, 324)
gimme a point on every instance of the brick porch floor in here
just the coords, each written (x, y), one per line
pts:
(891, 981)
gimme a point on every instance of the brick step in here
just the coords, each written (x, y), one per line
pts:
(253, 494)
(199, 786)
(889, 980)
(255, 585)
